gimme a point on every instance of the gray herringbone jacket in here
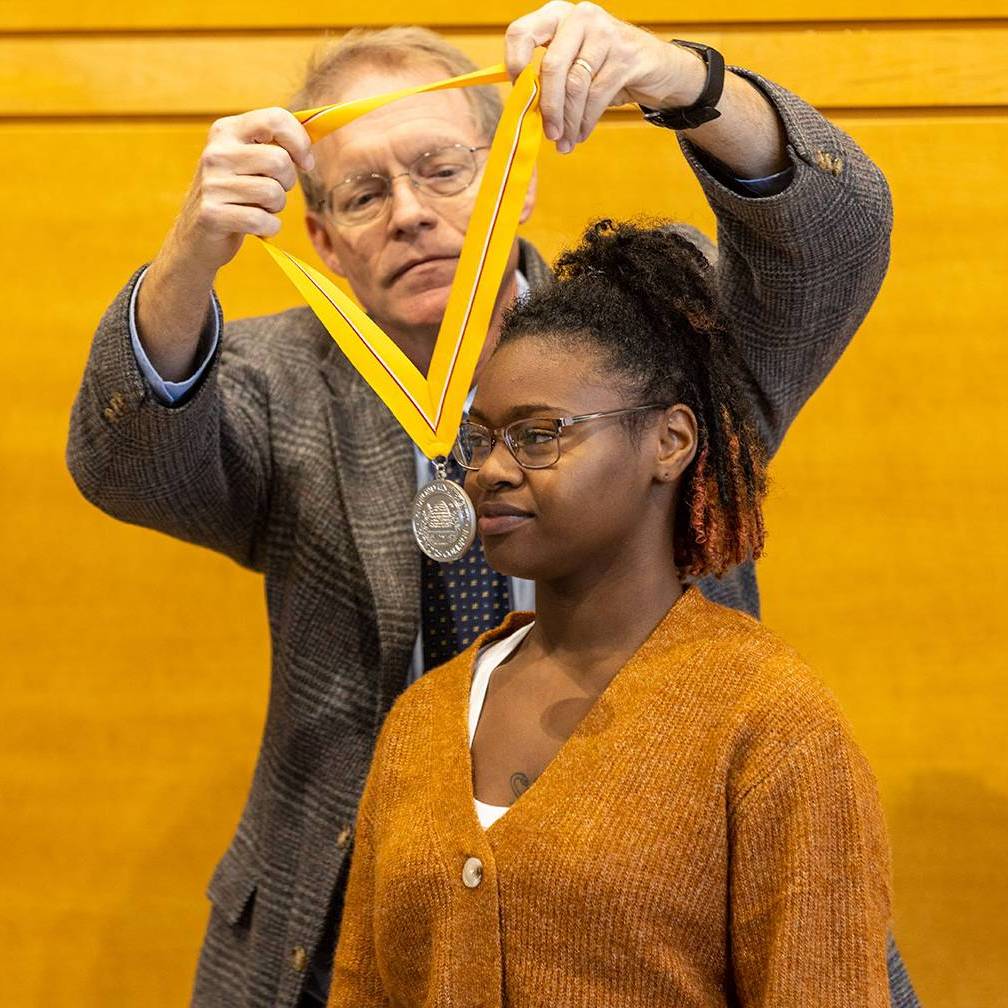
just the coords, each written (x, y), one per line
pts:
(284, 460)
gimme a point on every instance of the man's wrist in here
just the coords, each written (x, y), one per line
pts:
(679, 85)
(703, 108)
(690, 78)
(171, 392)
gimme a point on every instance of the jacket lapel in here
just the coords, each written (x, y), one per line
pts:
(376, 470)
(532, 265)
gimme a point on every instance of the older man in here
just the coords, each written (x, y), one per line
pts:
(257, 439)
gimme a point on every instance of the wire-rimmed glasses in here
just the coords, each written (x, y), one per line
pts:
(360, 199)
(534, 442)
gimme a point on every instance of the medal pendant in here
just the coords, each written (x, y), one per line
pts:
(444, 520)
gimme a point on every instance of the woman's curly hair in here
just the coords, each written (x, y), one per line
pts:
(644, 295)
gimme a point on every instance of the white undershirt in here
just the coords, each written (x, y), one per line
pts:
(486, 661)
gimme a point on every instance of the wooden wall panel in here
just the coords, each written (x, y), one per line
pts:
(135, 708)
(932, 65)
(135, 667)
(120, 15)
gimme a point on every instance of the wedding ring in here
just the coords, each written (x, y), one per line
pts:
(585, 65)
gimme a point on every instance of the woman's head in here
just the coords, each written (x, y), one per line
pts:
(632, 320)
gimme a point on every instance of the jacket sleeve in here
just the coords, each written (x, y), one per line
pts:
(198, 470)
(798, 271)
(809, 888)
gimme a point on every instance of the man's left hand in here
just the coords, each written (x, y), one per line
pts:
(594, 61)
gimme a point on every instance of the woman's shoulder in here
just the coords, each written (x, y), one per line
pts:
(777, 703)
(769, 676)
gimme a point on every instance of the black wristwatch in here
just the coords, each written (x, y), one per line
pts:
(702, 110)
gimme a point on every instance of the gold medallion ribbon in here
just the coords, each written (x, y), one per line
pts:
(430, 406)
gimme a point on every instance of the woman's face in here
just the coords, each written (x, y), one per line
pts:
(607, 499)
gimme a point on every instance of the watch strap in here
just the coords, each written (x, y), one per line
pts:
(703, 109)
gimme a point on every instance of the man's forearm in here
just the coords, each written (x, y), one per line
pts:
(172, 309)
(748, 137)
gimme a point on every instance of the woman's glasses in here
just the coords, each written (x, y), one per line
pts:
(534, 442)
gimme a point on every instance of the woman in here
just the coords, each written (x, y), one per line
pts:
(635, 797)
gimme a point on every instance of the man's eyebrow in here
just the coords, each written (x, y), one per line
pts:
(365, 163)
(522, 411)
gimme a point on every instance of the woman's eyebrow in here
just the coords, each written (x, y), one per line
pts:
(522, 411)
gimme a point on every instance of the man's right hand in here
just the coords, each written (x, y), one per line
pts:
(247, 167)
(244, 174)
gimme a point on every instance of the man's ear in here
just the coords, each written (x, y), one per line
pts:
(530, 196)
(323, 243)
(677, 443)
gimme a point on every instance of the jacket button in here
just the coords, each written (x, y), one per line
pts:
(299, 959)
(472, 872)
(827, 162)
(343, 837)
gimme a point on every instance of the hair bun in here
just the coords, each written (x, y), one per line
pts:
(659, 263)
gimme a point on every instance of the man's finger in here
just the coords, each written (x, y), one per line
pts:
(264, 159)
(554, 75)
(535, 29)
(256, 191)
(277, 126)
(582, 84)
(603, 94)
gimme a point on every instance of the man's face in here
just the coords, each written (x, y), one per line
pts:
(400, 265)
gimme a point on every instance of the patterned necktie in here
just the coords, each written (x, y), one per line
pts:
(459, 600)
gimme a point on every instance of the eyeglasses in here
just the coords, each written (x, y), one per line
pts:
(534, 443)
(360, 199)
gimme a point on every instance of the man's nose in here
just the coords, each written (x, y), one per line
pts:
(409, 210)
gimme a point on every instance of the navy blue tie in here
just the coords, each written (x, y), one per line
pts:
(459, 600)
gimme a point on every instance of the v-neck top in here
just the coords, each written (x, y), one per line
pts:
(709, 834)
(487, 659)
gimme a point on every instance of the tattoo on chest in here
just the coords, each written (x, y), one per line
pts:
(519, 784)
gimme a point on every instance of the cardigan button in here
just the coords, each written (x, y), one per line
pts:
(472, 872)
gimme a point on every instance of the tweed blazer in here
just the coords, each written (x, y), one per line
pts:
(283, 459)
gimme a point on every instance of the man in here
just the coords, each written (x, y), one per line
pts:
(259, 440)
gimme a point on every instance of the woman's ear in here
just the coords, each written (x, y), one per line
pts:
(677, 443)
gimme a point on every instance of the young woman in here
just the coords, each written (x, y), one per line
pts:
(635, 797)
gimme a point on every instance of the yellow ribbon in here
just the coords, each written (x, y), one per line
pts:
(430, 407)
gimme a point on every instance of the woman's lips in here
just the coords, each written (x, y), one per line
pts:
(499, 524)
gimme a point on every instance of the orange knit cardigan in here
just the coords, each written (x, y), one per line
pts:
(709, 835)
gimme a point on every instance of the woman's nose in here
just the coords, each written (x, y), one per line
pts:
(500, 467)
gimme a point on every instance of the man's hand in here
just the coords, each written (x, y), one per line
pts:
(244, 174)
(627, 64)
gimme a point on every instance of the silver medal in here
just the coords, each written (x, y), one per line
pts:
(444, 520)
